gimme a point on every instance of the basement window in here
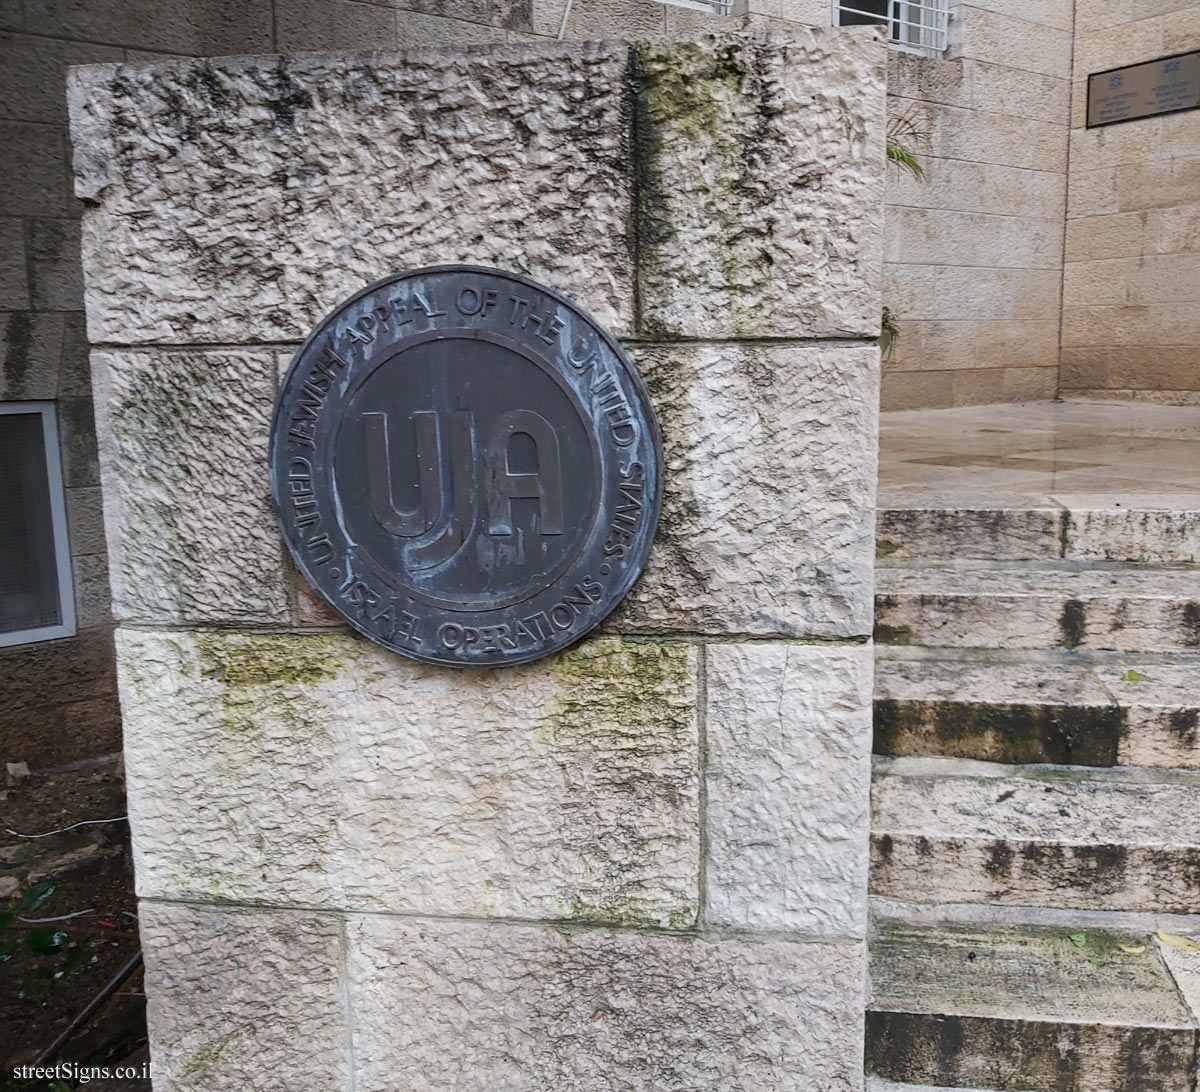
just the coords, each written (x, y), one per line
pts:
(36, 600)
(919, 26)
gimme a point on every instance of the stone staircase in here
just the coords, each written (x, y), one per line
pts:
(1036, 800)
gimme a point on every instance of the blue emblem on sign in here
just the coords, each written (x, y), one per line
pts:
(1115, 81)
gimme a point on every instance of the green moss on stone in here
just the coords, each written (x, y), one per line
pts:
(210, 1053)
(641, 692)
(624, 714)
(715, 97)
(252, 659)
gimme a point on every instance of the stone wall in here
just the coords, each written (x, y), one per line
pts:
(638, 864)
(974, 251)
(58, 699)
(1132, 280)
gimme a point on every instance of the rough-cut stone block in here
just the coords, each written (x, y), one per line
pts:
(14, 286)
(34, 70)
(415, 29)
(238, 200)
(599, 18)
(985, 137)
(200, 27)
(961, 186)
(1024, 93)
(443, 1006)
(30, 350)
(332, 25)
(55, 277)
(513, 14)
(321, 770)
(935, 236)
(767, 524)
(36, 178)
(85, 520)
(244, 999)
(1012, 42)
(183, 439)
(760, 207)
(788, 777)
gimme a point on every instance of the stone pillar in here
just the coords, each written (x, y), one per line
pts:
(640, 864)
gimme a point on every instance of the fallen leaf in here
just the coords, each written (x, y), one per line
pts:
(1182, 943)
(1132, 949)
(1133, 676)
(1079, 939)
(35, 897)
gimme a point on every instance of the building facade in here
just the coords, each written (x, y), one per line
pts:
(1033, 257)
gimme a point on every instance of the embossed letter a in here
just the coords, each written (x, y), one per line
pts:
(545, 483)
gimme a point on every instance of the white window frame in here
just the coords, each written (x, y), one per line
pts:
(929, 19)
(713, 7)
(58, 526)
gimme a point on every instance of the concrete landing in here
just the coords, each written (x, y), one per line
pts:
(1052, 452)
(1086, 481)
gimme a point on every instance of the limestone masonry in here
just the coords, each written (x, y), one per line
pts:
(639, 864)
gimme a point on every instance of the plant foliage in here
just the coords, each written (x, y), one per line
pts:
(904, 136)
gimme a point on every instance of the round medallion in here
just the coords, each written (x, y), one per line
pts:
(466, 466)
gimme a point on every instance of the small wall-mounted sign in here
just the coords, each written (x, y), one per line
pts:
(466, 466)
(1165, 86)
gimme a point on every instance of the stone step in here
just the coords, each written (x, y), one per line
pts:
(1155, 529)
(1069, 708)
(982, 606)
(1025, 1010)
(877, 1084)
(948, 830)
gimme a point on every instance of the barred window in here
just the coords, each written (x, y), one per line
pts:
(36, 600)
(919, 25)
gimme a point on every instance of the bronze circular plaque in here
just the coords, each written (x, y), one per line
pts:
(466, 466)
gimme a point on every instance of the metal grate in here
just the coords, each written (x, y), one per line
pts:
(919, 25)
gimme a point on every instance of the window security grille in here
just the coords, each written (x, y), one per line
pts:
(918, 25)
(36, 600)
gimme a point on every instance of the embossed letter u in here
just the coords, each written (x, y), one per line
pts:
(433, 485)
(439, 490)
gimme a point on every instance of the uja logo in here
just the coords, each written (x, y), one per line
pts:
(448, 506)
